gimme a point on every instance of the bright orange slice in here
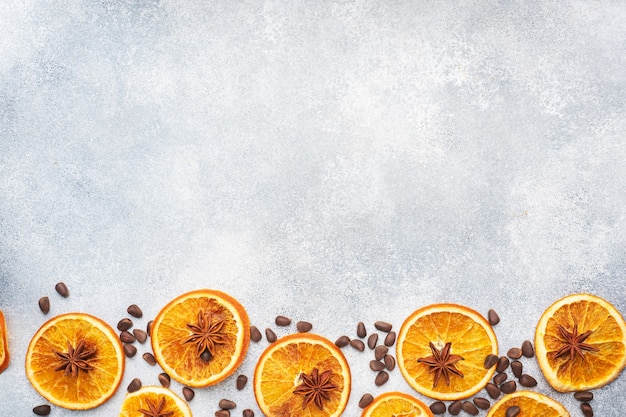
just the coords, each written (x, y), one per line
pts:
(75, 361)
(154, 401)
(531, 404)
(4, 345)
(441, 350)
(201, 337)
(396, 404)
(580, 343)
(302, 374)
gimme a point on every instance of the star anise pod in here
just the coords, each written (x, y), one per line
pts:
(75, 359)
(157, 410)
(206, 334)
(442, 363)
(574, 343)
(315, 388)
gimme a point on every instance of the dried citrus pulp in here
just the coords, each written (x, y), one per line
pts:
(396, 404)
(201, 337)
(531, 404)
(154, 401)
(75, 361)
(441, 351)
(302, 375)
(4, 347)
(580, 342)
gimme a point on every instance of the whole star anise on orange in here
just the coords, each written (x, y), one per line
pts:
(573, 343)
(315, 388)
(75, 359)
(206, 334)
(157, 410)
(442, 363)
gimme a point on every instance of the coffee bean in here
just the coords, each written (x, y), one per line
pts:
(282, 321)
(493, 390)
(124, 324)
(206, 356)
(493, 317)
(188, 393)
(381, 378)
(42, 410)
(390, 339)
(164, 379)
(44, 306)
(490, 360)
(242, 380)
(134, 385)
(376, 365)
(372, 340)
(455, 408)
(129, 350)
(438, 407)
(517, 367)
(360, 330)
(342, 341)
(514, 353)
(482, 403)
(303, 326)
(470, 408)
(508, 387)
(527, 349)
(383, 326)
(255, 334)
(134, 311)
(149, 357)
(380, 352)
(270, 335)
(527, 381)
(390, 362)
(149, 328)
(366, 400)
(357, 344)
(248, 413)
(127, 337)
(512, 411)
(222, 413)
(225, 404)
(586, 409)
(61, 288)
(503, 363)
(584, 396)
(500, 378)
(140, 335)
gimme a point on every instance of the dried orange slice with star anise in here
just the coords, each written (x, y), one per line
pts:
(396, 404)
(302, 375)
(580, 342)
(4, 346)
(75, 361)
(441, 351)
(201, 337)
(151, 401)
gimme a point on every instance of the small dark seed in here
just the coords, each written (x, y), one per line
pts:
(527, 381)
(129, 350)
(270, 335)
(42, 410)
(390, 362)
(149, 327)
(455, 408)
(517, 368)
(222, 413)
(124, 324)
(360, 330)
(493, 317)
(342, 341)
(470, 408)
(248, 413)
(44, 306)
(134, 385)
(303, 326)
(514, 353)
(376, 365)
(500, 378)
(381, 378)
(366, 400)
(357, 344)
(372, 340)
(206, 356)
(164, 379)
(134, 311)
(242, 380)
(482, 403)
(490, 360)
(188, 393)
(503, 363)
(438, 407)
(508, 387)
(282, 321)
(527, 349)
(127, 337)
(61, 288)
(140, 335)
(493, 391)
(390, 339)
(149, 357)
(255, 334)
(383, 326)
(513, 411)
(586, 409)
(380, 352)
(584, 396)
(225, 404)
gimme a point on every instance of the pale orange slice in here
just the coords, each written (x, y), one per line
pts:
(75, 361)
(580, 342)
(396, 404)
(201, 337)
(154, 401)
(4, 345)
(450, 334)
(531, 404)
(302, 375)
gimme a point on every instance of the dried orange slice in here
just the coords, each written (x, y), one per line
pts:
(441, 350)
(396, 404)
(75, 361)
(302, 374)
(580, 342)
(4, 345)
(201, 337)
(531, 404)
(154, 401)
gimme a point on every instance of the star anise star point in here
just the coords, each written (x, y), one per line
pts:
(574, 343)
(76, 359)
(206, 334)
(442, 363)
(315, 387)
(156, 410)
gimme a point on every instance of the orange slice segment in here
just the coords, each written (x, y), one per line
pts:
(448, 334)
(531, 404)
(580, 342)
(75, 361)
(201, 337)
(155, 401)
(396, 404)
(302, 375)
(4, 345)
